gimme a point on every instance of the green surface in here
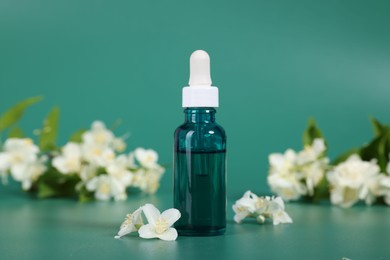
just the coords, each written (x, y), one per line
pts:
(64, 229)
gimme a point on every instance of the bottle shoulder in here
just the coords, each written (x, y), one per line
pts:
(220, 129)
(200, 137)
(212, 128)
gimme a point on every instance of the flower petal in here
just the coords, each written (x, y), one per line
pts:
(281, 217)
(247, 194)
(4, 161)
(169, 235)
(151, 213)
(26, 184)
(274, 207)
(92, 184)
(137, 217)
(171, 216)
(147, 231)
(125, 229)
(278, 200)
(240, 216)
(247, 203)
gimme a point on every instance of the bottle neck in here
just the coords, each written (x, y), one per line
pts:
(199, 115)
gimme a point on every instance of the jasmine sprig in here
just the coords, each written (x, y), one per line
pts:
(260, 208)
(92, 165)
(131, 224)
(159, 224)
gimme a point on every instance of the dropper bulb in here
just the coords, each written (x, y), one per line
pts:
(200, 69)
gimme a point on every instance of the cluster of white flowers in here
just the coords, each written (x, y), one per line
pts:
(20, 157)
(260, 208)
(102, 171)
(295, 174)
(159, 224)
(355, 180)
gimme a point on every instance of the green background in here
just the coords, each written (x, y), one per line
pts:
(276, 63)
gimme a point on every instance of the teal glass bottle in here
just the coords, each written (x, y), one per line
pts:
(200, 174)
(200, 156)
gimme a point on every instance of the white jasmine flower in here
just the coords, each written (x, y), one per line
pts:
(351, 181)
(88, 171)
(29, 172)
(262, 205)
(376, 187)
(311, 164)
(118, 170)
(147, 158)
(119, 145)
(245, 206)
(276, 209)
(293, 175)
(17, 152)
(311, 152)
(313, 173)
(282, 164)
(101, 156)
(151, 183)
(251, 205)
(4, 165)
(70, 159)
(4, 162)
(159, 224)
(148, 180)
(99, 135)
(106, 187)
(384, 188)
(20, 157)
(283, 178)
(288, 186)
(99, 144)
(131, 161)
(131, 224)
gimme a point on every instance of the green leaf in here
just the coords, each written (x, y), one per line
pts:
(382, 155)
(16, 132)
(378, 149)
(85, 196)
(387, 152)
(56, 184)
(370, 150)
(378, 127)
(77, 137)
(344, 156)
(312, 132)
(321, 191)
(48, 136)
(46, 191)
(13, 114)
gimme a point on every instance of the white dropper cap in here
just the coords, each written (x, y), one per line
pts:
(200, 93)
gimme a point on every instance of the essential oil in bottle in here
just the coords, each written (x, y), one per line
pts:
(200, 156)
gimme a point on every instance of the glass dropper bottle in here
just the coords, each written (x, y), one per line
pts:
(200, 156)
